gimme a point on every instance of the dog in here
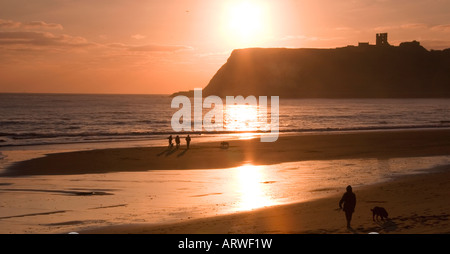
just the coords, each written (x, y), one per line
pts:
(224, 145)
(379, 212)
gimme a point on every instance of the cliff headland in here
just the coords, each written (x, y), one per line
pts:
(364, 71)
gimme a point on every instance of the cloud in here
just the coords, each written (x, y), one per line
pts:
(138, 36)
(401, 26)
(160, 48)
(27, 34)
(436, 28)
(41, 24)
(414, 26)
(441, 28)
(150, 47)
(215, 54)
(294, 37)
(34, 40)
(308, 38)
(41, 39)
(9, 24)
(343, 28)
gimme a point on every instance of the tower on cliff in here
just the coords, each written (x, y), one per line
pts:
(382, 39)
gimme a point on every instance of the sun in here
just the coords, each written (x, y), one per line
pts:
(245, 19)
(246, 23)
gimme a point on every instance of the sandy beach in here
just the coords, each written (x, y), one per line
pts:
(302, 147)
(416, 203)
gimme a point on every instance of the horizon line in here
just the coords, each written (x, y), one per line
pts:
(81, 93)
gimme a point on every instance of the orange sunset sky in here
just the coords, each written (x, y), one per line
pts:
(163, 46)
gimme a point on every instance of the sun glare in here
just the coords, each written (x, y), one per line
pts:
(241, 118)
(246, 23)
(244, 118)
(251, 188)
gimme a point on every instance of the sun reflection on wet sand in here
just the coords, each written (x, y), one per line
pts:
(251, 188)
(246, 135)
(167, 196)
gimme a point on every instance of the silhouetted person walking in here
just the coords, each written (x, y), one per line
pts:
(170, 141)
(349, 201)
(177, 141)
(188, 141)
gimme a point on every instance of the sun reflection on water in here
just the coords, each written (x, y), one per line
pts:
(244, 117)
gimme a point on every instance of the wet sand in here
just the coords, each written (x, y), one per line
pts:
(323, 146)
(416, 203)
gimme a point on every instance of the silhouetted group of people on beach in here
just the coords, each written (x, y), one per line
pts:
(178, 141)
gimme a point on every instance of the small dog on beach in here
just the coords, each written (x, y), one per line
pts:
(379, 212)
(224, 145)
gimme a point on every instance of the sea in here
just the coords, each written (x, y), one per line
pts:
(42, 119)
(32, 125)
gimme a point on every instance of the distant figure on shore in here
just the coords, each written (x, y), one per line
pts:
(170, 141)
(349, 201)
(224, 145)
(177, 141)
(188, 141)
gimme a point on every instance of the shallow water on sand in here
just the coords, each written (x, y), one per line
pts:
(57, 204)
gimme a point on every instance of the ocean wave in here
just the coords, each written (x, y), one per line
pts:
(160, 132)
(46, 119)
(35, 138)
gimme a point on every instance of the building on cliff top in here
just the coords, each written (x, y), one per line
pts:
(382, 39)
